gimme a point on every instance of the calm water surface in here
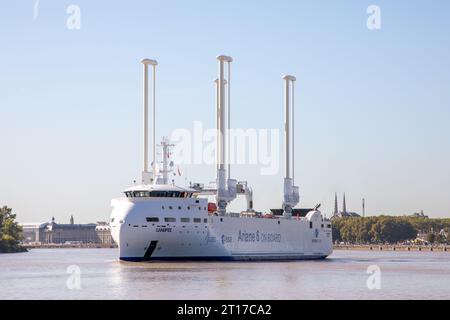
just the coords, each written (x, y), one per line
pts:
(43, 274)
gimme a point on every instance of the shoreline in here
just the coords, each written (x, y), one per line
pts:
(383, 247)
(69, 246)
(373, 247)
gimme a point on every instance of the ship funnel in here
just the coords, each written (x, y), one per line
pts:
(291, 194)
(146, 178)
(226, 187)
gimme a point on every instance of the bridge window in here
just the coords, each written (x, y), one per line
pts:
(310, 225)
(152, 219)
(197, 220)
(170, 219)
(184, 219)
(158, 194)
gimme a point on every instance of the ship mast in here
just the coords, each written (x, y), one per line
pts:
(291, 194)
(226, 187)
(146, 179)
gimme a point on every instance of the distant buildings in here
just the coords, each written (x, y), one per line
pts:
(33, 232)
(56, 233)
(103, 231)
(344, 212)
(419, 215)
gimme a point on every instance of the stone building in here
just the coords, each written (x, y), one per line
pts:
(33, 232)
(103, 231)
(58, 233)
(70, 233)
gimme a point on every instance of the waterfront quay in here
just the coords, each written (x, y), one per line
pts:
(68, 245)
(390, 247)
(336, 247)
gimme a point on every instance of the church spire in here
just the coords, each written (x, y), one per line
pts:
(344, 207)
(335, 203)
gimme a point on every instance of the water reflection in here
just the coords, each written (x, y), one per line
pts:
(41, 274)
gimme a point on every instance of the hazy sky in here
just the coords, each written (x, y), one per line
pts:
(372, 106)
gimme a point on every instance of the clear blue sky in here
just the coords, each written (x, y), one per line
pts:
(372, 107)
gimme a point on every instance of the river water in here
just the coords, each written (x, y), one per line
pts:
(97, 274)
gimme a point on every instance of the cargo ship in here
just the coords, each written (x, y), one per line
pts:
(158, 220)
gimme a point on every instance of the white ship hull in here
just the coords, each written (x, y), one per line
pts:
(212, 237)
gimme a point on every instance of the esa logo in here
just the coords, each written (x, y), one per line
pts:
(226, 239)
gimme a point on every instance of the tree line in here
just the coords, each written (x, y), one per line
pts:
(10, 232)
(388, 229)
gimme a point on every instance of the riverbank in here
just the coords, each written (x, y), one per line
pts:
(445, 248)
(14, 250)
(67, 245)
(358, 247)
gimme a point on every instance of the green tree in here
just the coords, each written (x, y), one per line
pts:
(10, 231)
(379, 229)
(336, 230)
